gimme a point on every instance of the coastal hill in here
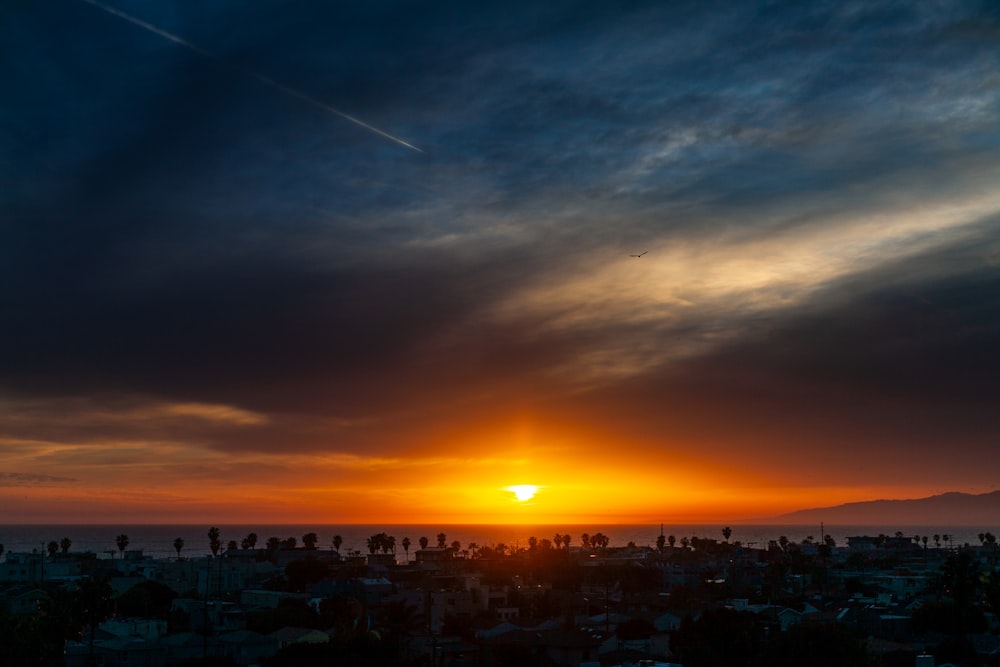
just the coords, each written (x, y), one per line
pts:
(946, 509)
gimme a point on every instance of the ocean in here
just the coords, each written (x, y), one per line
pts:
(158, 540)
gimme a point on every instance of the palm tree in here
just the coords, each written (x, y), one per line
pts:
(937, 541)
(557, 540)
(661, 542)
(585, 540)
(214, 541)
(472, 548)
(726, 532)
(250, 541)
(232, 546)
(309, 540)
(65, 543)
(685, 542)
(178, 545)
(406, 548)
(423, 542)
(273, 543)
(52, 547)
(442, 540)
(671, 540)
(924, 540)
(456, 546)
(122, 542)
(532, 543)
(337, 541)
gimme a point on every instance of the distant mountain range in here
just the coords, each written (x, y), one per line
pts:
(947, 509)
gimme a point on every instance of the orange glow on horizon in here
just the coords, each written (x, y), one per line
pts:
(565, 475)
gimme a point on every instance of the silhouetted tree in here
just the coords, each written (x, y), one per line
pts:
(147, 599)
(635, 629)
(661, 543)
(250, 541)
(309, 540)
(232, 546)
(399, 619)
(288, 612)
(52, 547)
(533, 543)
(406, 548)
(960, 579)
(301, 573)
(423, 542)
(671, 540)
(726, 532)
(64, 544)
(273, 543)
(991, 591)
(95, 604)
(815, 645)
(178, 545)
(337, 541)
(289, 543)
(122, 542)
(718, 637)
(585, 540)
(947, 617)
(442, 540)
(214, 540)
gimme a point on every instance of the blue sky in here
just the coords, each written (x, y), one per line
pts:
(197, 261)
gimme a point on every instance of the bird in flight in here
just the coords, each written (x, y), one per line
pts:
(640, 254)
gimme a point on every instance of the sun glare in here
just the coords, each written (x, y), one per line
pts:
(523, 492)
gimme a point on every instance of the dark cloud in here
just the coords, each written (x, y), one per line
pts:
(30, 479)
(176, 231)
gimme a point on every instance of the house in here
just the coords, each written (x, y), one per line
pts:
(110, 650)
(22, 600)
(246, 647)
(23, 567)
(288, 635)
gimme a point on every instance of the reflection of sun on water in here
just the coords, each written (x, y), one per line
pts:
(523, 492)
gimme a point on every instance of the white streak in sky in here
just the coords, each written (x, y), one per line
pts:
(291, 92)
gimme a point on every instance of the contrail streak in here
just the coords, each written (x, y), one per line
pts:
(280, 87)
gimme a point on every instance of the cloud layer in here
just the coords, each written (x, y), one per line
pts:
(199, 266)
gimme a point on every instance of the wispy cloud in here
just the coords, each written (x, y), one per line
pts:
(32, 479)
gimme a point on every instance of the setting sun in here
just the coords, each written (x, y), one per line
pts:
(523, 492)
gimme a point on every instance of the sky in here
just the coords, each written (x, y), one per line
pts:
(288, 261)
